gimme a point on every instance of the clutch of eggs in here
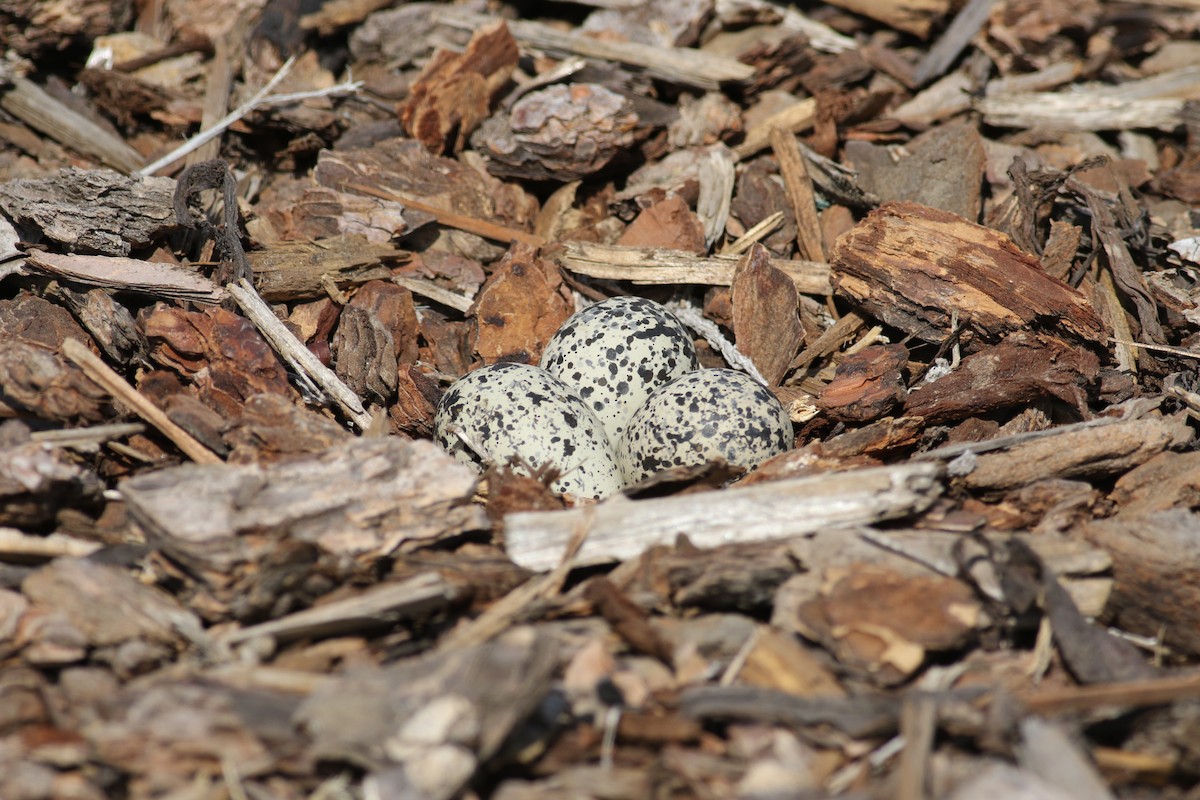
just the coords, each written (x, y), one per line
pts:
(617, 397)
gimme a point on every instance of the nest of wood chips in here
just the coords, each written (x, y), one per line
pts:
(246, 245)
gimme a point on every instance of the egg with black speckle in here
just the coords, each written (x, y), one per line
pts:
(708, 414)
(618, 351)
(521, 414)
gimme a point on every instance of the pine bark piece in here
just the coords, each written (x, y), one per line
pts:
(942, 168)
(519, 308)
(273, 428)
(621, 529)
(93, 211)
(1078, 452)
(109, 323)
(1021, 369)
(766, 314)
(363, 498)
(37, 480)
(667, 224)
(364, 352)
(108, 605)
(883, 623)
(560, 133)
(457, 707)
(454, 91)
(905, 260)
(911, 16)
(867, 385)
(43, 383)
(220, 351)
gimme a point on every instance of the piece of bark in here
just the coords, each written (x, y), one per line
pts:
(668, 224)
(454, 91)
(88, 593)
(866, 715)
(868, 384)
(628, 621)
(519, 308)
(664, 23)
(1048, 751)
(214, 725)
(1155, 102)
(92, 211)
(1022, 369)
(324, 213)
(911, 16)
(759, 195)
(300, 270)
(1156, 564)
(272, 428)
(364, 498)
(39, 381)
(380, 606)
(882, 623)
(37, 480)
(1169, 480)
(416, 401)
(967, 22)
(942, 168)
(643, 266)
(41, 111)
(621, 529)
(779, 661)
(675, 64)
(766, 314)
(739, 577)
(459, 705)
(160, 280)
(904, 260)
(1080, 452)
(559, 133)
(364, 355)
(109, 323)
(221, 352)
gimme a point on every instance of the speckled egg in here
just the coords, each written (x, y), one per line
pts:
(523, 414)
(701, 416)
(618, 351)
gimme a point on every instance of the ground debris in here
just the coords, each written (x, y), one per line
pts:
(247, 246)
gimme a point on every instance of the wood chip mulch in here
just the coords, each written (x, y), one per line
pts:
(245, 246)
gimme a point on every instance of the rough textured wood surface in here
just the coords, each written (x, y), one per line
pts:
(914, 266)
(621, 529)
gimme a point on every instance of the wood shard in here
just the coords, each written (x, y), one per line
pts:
(620, 529)
(913, 266)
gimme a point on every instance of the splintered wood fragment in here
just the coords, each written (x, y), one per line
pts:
(621, 529)
(795, 118)
(1156, 102)
(31, 104)
(809, 240)
(18, 546)
(953, 41)
(115, 385)
(675, 64)
(1079, 453)
(226, 58)
(830, 341)
(913, 267)
(380, 606)
(301, 270)
(438, 294)
(479, 227)
(129, 275)
(762, 230)
(655, 266)
(295, 353)
(88, 437)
